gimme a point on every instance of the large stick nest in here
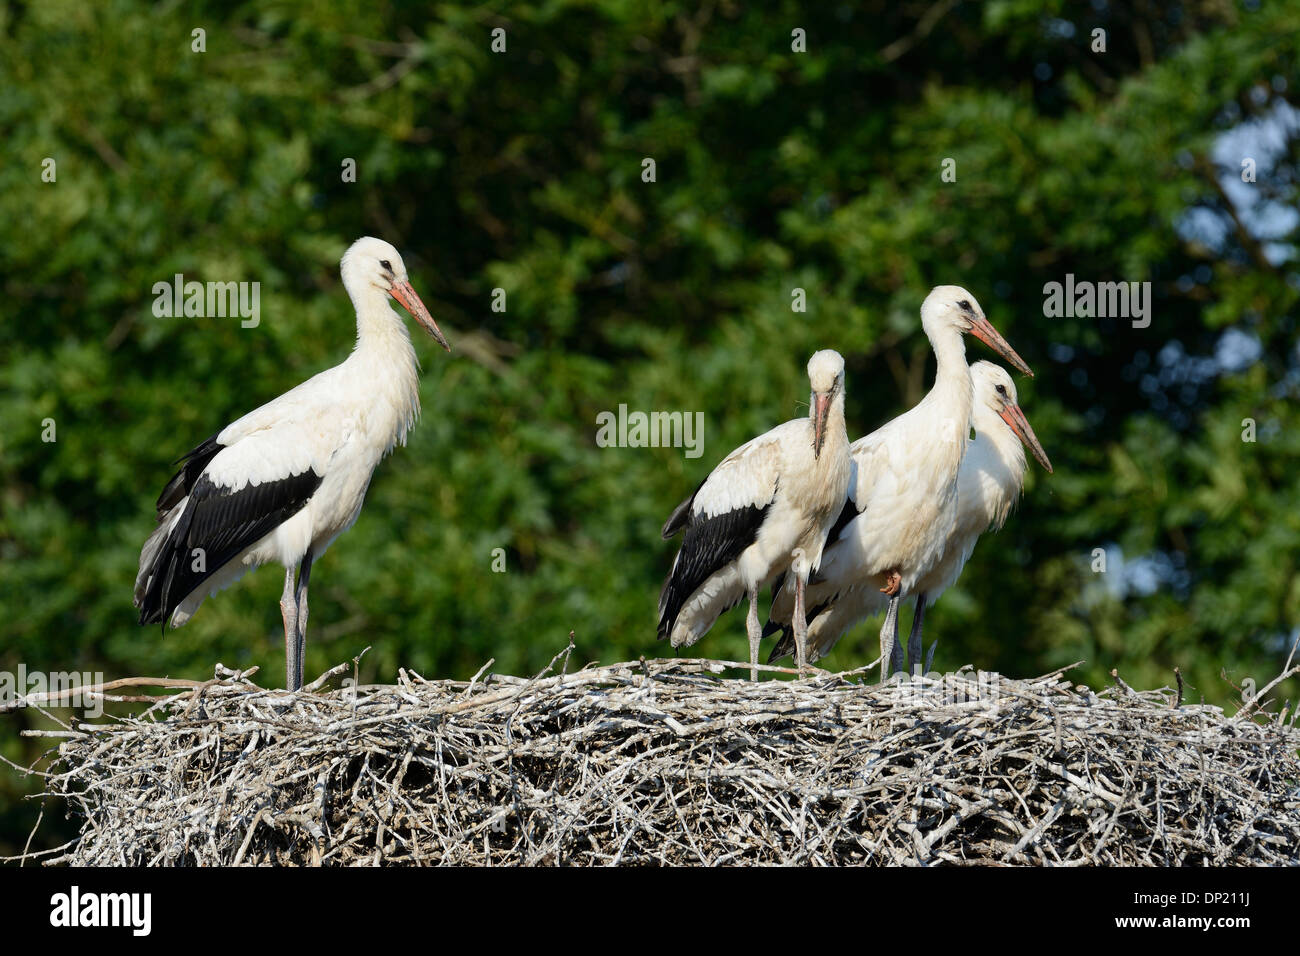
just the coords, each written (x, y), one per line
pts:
(664, 761)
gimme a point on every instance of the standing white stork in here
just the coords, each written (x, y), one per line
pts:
(770, 503)
(902, 502)
(285, 480)
(989, 483)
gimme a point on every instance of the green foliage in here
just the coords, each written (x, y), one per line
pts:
(522, 171)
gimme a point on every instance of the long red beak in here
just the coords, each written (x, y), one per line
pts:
(406, 297)
(821, 408)
(983, 330)
(1013, 416)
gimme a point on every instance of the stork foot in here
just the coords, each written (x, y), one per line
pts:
(893, 580)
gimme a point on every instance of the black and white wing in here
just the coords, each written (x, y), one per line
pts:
(222, 501)
(721, 520)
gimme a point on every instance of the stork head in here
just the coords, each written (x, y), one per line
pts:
(826, 376)
(951, 306)
(995, 391)
(371, 264)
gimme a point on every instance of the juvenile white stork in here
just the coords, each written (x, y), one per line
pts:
(989, 482)
(772, 500)
(902, 501)
(285, 480)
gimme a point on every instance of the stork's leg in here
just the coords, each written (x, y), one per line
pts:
(914, 638)
(304, 574)
(289, 609)
(888, 638)
(900, 665)
(929, 655)
(800, 623)
(755, 632)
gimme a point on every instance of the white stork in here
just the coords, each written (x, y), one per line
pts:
(902, 501)
(281, 483)
(770, 503)
(989, 483)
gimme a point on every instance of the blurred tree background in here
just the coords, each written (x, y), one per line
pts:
(775, 169)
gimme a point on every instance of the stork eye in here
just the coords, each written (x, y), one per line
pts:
(386, 264)
(964, 305)
(1002, 390)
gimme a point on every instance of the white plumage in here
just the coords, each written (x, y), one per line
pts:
(282, 482)
(989, 483)
(768, 504)
(902, 502)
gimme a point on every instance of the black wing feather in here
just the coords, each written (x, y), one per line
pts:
(710, 544)
(681, 514)
(222, 523)
(194, 462)
(847, 514)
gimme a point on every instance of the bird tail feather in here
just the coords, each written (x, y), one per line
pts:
(155, 559)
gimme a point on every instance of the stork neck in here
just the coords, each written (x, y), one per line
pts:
(953, 375)
(999, 434)
(835, 447)
(953, 393)
(835, 427)
(950, 351)
(385, 360)
(378, 326)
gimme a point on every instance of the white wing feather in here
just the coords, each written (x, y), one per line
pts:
(747, 478)
(300, 429)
